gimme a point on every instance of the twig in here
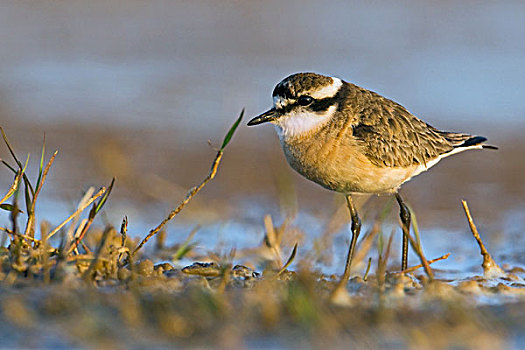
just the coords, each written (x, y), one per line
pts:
(8, 231)
(78, 211)
(414, 268)
(490, 267)
(193, 191)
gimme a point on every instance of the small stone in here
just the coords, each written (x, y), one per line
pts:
(145, 267)
(203, 269)
(471, 287)
(244, 273)
(162, 267)
(123, 273)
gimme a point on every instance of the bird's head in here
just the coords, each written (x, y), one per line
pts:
(302, 103)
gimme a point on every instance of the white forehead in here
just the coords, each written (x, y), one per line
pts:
(280, 102)
(318, 94)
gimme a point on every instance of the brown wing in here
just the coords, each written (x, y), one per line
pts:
(392, 137)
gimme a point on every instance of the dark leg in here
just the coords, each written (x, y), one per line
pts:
(356, 228)
(404, 214)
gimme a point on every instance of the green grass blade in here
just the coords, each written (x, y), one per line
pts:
(41, 169)
(9, 166)
(9, 147)
(9, 207)
(16, 160)
(105, 197)
(27, 198)
(29, 193)
(187, 246)
(230, 133)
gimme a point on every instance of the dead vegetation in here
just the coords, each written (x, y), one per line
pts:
(77, 284)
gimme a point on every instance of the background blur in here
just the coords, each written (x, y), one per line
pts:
(134, 89)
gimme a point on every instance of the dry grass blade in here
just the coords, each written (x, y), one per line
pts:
(417, 247)
(419, 253)
(78, 211)
(124, 231)
(74, 223)
(273, 239)
(193, 191)
(88, 275)
(124, 236)
(92, 213)
(14, 186)
(382, 262)
(14, 211)
(290, 260)
(365, 244)
(365, 276)
(490, 267)
(30, 226)
(226, 272)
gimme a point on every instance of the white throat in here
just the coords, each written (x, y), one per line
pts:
(297, 124)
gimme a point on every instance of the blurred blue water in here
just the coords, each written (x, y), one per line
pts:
(193, 65)
(245, 231)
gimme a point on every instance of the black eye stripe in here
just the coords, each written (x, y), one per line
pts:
(323, 105)
(320, 105)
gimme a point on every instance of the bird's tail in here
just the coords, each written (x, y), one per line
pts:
(466, 141)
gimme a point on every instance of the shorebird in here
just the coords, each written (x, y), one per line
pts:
(352, 140)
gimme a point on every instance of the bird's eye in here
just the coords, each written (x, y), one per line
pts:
(305, 100)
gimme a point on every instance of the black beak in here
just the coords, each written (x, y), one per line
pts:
(267, 116)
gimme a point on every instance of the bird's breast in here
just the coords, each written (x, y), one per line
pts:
(339, 165)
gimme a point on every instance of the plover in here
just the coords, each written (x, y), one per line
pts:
(352, 140)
